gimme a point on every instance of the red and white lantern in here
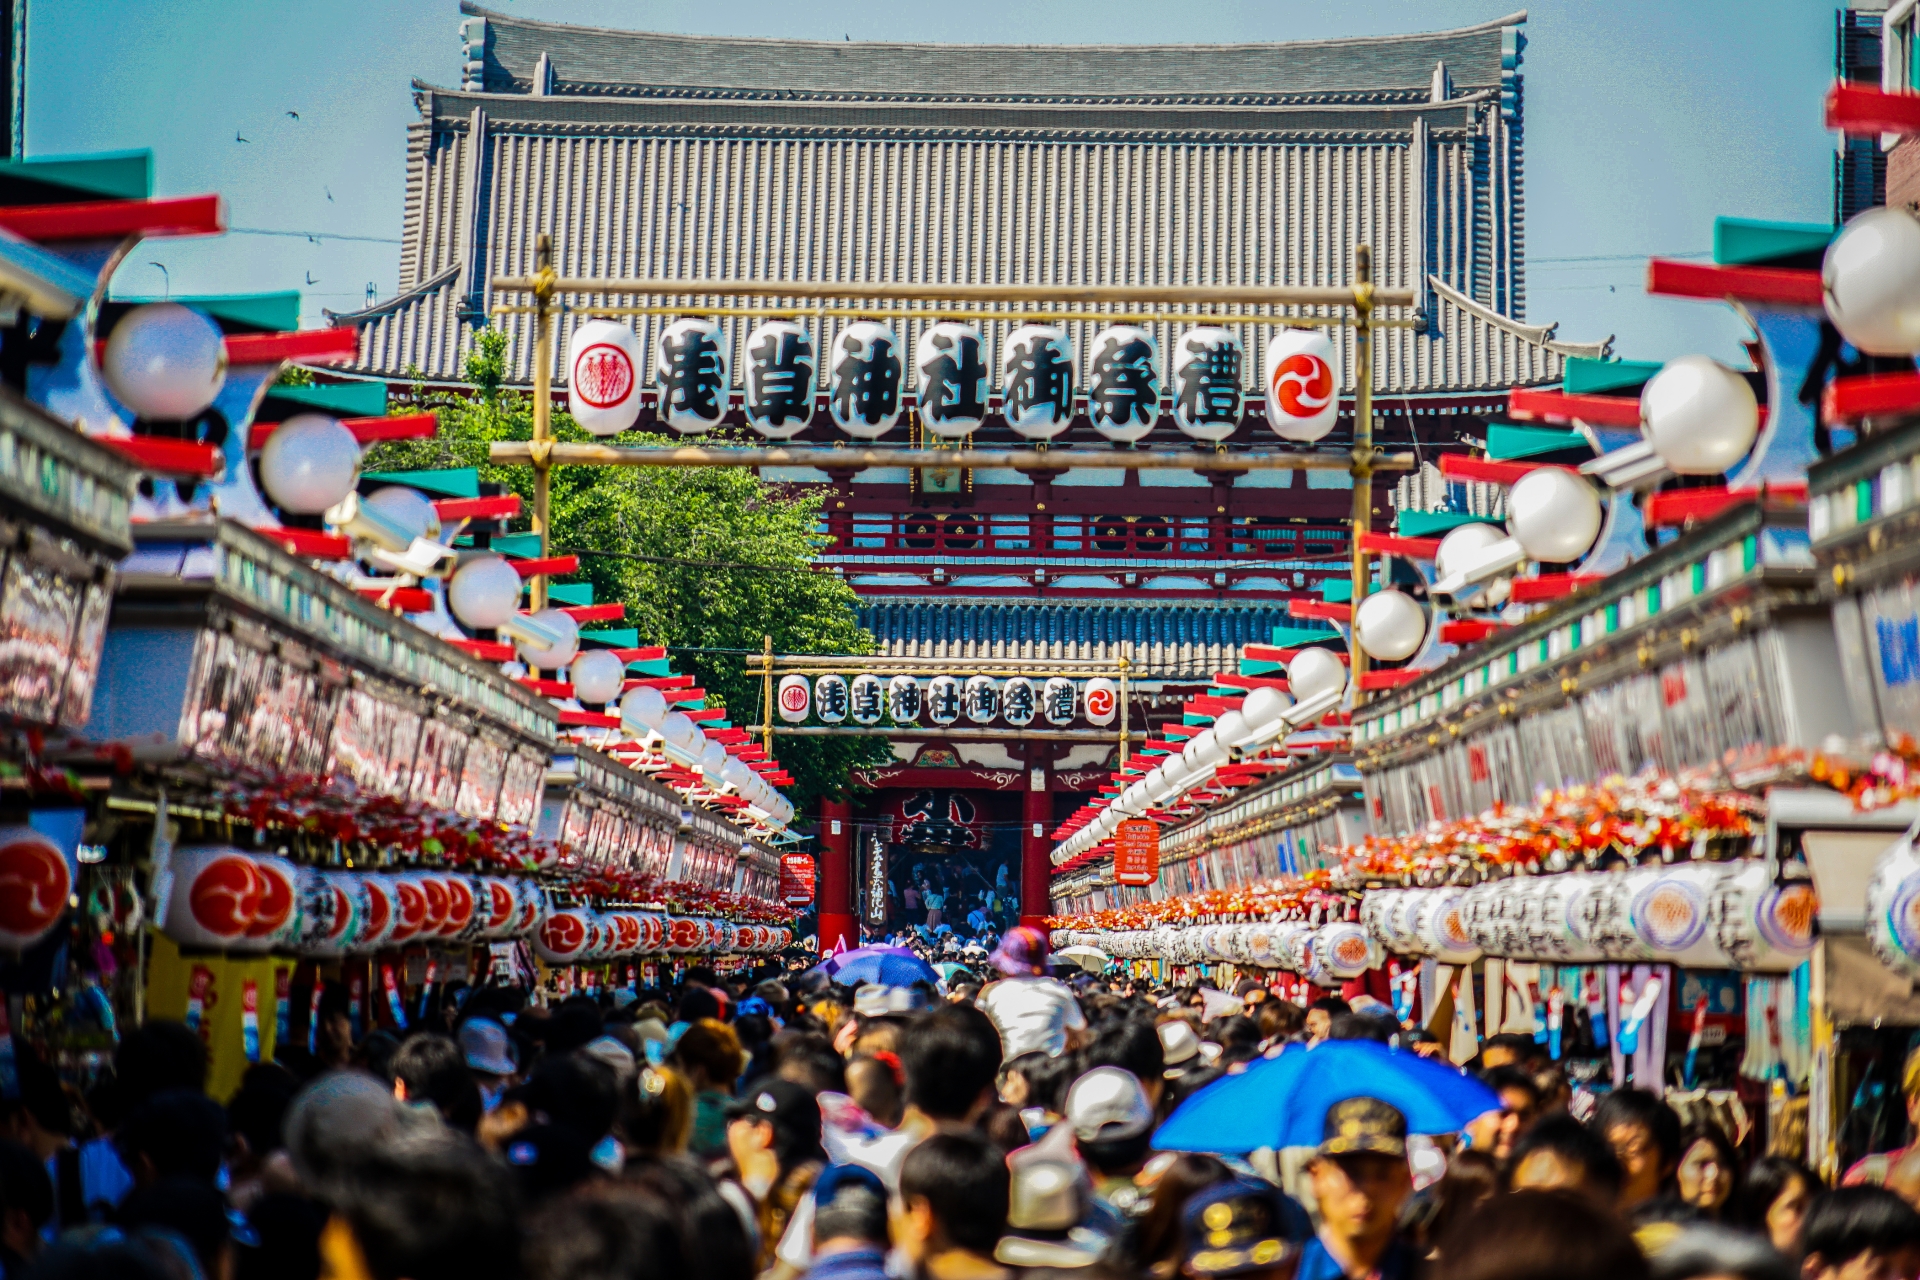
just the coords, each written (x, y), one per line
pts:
(603, 377)
(35, 882)
(215, 895)
(1303, 396)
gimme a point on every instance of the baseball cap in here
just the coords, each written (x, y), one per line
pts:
(836, 1178)
(1022, 950)
(1047, 1203)
(1363, 1126)
(876, 1001)
(781, 1103)
(1108, 1103)
(1179, 1044)
(1240, 1225)
(487, 1047)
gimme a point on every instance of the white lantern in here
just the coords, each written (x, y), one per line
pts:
(1700, 416)
(309, 463)
(1672, 914)
(551, 657)
(1346, 950)
(830, 698)
(1123, 383)
(1100, 701)
(982, 699)
(1390, 625)
(1018, 702)
(1460, 548)
(484, 592)
(1554, 513)
(736, 775)
(565, 936)
(713, 759)
(597, 676)
(406, 508)
(1871, 276)
(864, 399)
(1314, 672)
(1442, 930)
(795, 698)
(1208, 399)
(1263, 709)
(1205, 749)
(1037, 389)
(1303, 396)
(866, 699)
(1230, 727)
(642, 710)
(779, 379)
(1058, 700)
(952, 363)
(603, 377)
(1602, 916)
(1893, 909)
(943, 699)
(165, 362)
(690, 367)
(1761, 926)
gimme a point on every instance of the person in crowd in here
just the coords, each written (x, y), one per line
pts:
(1519, 1097)
(1244, 1228)
(936, 899)
(1133, 1045)
(1155, 1245)
(875, 1082)
(710, 1057)
(608, 1233)
(1707, 1177)
(1317, 1024)
(1644, 1133)
(1708, 1251)
(1872, 1170)
(1539, 1235)
(850, 1235)
(1111, 1118)
(26, 1206)
(256, 1116)
(1860, 1233)
(1360, 1180)
(1508, 1049)
(952, 1208)
(773, 1135)
(1779, 1189)
(1557, 1152)
(656, 1114)
(1031, 1011)
(1472, 1177)
(431, 1070)
(427, 1205)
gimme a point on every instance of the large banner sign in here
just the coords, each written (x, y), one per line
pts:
(941, 701)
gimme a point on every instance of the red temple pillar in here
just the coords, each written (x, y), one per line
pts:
(1036, 864)
(837, 924)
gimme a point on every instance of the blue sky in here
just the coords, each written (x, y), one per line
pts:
(1644, 120)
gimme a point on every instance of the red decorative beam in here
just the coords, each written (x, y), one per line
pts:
(417, 426)
(699, 717)
(1388, 678)
(485, 650)
(1859, 109)
(116, 219)
(595, 612)
(589, 719)
(1468, 630)
(1205, 706)
(161, 456)
(1550, 586)
(341, 343)
(405, 599)
(660, 682)
(555, 564)
(548, 688)
(503, 507)
(1529, 404)
(1385, 544)
(1331, 610)
(1458, 466)
(1225, 681)
(1875, 396)
(311, 543)
(1268, 653)
(1783, 285)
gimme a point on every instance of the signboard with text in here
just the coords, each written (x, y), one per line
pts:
(796, 879)
(1136, 852)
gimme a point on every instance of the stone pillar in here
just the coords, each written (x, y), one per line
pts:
(835, 885)
(1036, 867)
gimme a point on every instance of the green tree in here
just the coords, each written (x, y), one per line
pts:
(708, 561)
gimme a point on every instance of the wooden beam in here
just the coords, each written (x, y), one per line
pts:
(853, 458)
(1253, 295)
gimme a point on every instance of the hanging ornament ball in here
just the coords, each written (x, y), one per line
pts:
(597, 677)
(165, 362)
(646, 707)
(1554, 514)
(406, 507)
(309, 463)
(1390, 625)
(1700, 416)
(1316, 671)
(483, 592)
(1264, 706)
(1462, 545)
(561, 652)
(1871, 278)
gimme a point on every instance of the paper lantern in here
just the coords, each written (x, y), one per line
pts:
(952, 363)
(309, 463)
(214, 896)
(1100, 701)
(385, 914)
(1603, 917)
(943, 699)
(1893, 909)
(484, 592)
(1549, 927)
(462, 921)
(1123, 383)
(866, 366)
(1316, 671)
(830, 696)
(165, 362)
(642, 710)
(982, 699)
(1670, 912)
(35, 882)
(685, 934)
(1258, 942)
(276, 914)
(1303, 396)
(603, 377)
(409, 908)
(1871, 279)
(690, 368)
(597, 676)
(1058, 700)
(532, 908)
(1442, 930)
(1390, 625)
(1346, 950)
(551, 657)
(1760, 926)
(564, 936)
(1037, 390)
(1554, 514)
(866, 700)
(1208, 399)
(630, 933)
(496, 906)
(1700, 416)
(335, 933)
(779, 379)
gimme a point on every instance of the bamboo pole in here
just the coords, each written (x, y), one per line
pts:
(837, 457)
(539, 449)
(944, 313)
(1363, 459)
(1263, 295)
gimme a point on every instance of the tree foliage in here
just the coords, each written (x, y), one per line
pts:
(708, 561)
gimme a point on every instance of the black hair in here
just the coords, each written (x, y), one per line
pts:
(434, 1069)
(1523, 1045)
(1512, 1077)
(1049, 1078)
(189, 1206)
(1362, 1026)
(24, 1184)
(855, 1213)
(609, 1233)
(1572, 1143)
(1640, 1107)
(1114, 1155)
(574, 1090)
(1769, 1179)
(377, 1050)
(1331, 1005)
(1714, 1136)
(1539, 1234)
(158, 1055)
(180, 1132)
(1845, 1223)
(713, 1237)
(432, 1206)
(1132, 1045)
(697, 1003)
(41, 1094)
(258, 1109)
(98, 1256)
(966, 1183)
(951, 1056)
(287, 1230)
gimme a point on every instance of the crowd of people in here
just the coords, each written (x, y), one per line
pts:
(947, 898)
(779, 1125)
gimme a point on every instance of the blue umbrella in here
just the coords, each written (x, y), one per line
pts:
(888, 966)
(1283, 1101)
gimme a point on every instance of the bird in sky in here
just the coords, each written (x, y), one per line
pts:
(329, 194)
(310, 279)
(237, 137)
(294, 114)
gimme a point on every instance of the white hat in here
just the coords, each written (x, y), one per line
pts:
(1179, 1043)
(1108, 1103)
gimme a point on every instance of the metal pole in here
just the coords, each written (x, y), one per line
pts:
(1126, 647)
(540, 449)
(1363, 461)
(766, 695)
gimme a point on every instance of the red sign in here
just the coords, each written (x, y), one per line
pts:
(1136, 851)
(796, 878)
(602, 375)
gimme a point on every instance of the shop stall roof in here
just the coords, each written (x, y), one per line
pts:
(115, 175)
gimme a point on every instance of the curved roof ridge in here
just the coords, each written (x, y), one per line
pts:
(513, 19)
(1540, 335)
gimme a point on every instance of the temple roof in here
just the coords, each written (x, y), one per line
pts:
(601, 60)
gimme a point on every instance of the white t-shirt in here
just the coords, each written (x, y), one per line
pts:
(1032, 1014)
